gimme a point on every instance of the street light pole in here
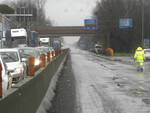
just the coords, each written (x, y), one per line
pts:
(2, 31)
(142, 40)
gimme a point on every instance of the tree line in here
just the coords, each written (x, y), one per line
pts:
(108, 14)
(41, 19)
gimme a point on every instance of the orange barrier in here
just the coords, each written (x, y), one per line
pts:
(43, 63)
(31, 66)
(59, 51)
(48, 56)
(110, 52)
(56, 52)
(63, 50)
(1, 90)
(53, 55)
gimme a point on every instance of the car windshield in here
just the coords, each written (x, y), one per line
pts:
(26, 53)
(44, 50)
(9, 56)
(98, 47)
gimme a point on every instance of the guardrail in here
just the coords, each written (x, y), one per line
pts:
(26, 96)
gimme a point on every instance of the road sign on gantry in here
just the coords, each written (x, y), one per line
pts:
(125, 23)
(146, 42)
(90, 24)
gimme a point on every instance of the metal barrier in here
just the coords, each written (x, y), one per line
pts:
(26, 97)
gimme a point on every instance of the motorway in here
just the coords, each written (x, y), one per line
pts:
(98, 85)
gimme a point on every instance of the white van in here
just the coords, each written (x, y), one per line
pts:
(6, 77)
(14, 64)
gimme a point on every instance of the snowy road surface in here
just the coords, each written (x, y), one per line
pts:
(98, 85)
(104, 86)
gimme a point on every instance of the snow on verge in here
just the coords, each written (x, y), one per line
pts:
(46, 102)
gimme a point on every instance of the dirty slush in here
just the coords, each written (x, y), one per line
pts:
(65, 98)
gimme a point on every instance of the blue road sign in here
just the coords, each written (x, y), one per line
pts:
(125, 23)
(146, 42)
(90, 24)
(1, 34)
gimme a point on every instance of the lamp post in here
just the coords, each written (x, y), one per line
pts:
(142, 11)
(2, 30)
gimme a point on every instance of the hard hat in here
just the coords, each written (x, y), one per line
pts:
(139, 48)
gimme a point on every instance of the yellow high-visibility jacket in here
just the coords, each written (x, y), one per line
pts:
(139, 56)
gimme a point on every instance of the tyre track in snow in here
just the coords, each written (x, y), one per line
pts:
(91, 76)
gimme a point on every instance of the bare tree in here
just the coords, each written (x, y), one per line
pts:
(41, 19)
(109, 12)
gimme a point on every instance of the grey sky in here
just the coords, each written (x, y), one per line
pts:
(69, 12)
(1, 1)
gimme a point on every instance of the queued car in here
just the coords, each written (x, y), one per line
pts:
(6, 77)
(43, 50)
(14, 64)
(98, 49)
(26, 53)
(147, 54)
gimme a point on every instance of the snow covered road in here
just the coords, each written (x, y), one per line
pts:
(99, 85)
(104, 86)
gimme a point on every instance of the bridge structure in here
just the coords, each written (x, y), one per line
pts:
(65, 31)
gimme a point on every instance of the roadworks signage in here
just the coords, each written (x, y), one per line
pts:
(146, 42)
(125, 23)
(90, 24)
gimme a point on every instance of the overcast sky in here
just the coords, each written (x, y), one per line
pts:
(69, 12)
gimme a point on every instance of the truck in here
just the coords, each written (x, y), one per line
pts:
(45, 41)
(57, 44)
(33, 40)
(19, 37)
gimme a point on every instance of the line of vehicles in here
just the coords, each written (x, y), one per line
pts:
(21, 37)
(15, 63)
(19, 45)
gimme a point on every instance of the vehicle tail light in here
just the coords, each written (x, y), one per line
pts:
(144, 52)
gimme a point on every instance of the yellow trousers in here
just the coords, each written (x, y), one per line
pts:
(139, 63)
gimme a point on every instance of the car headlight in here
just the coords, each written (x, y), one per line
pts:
(37, 62)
